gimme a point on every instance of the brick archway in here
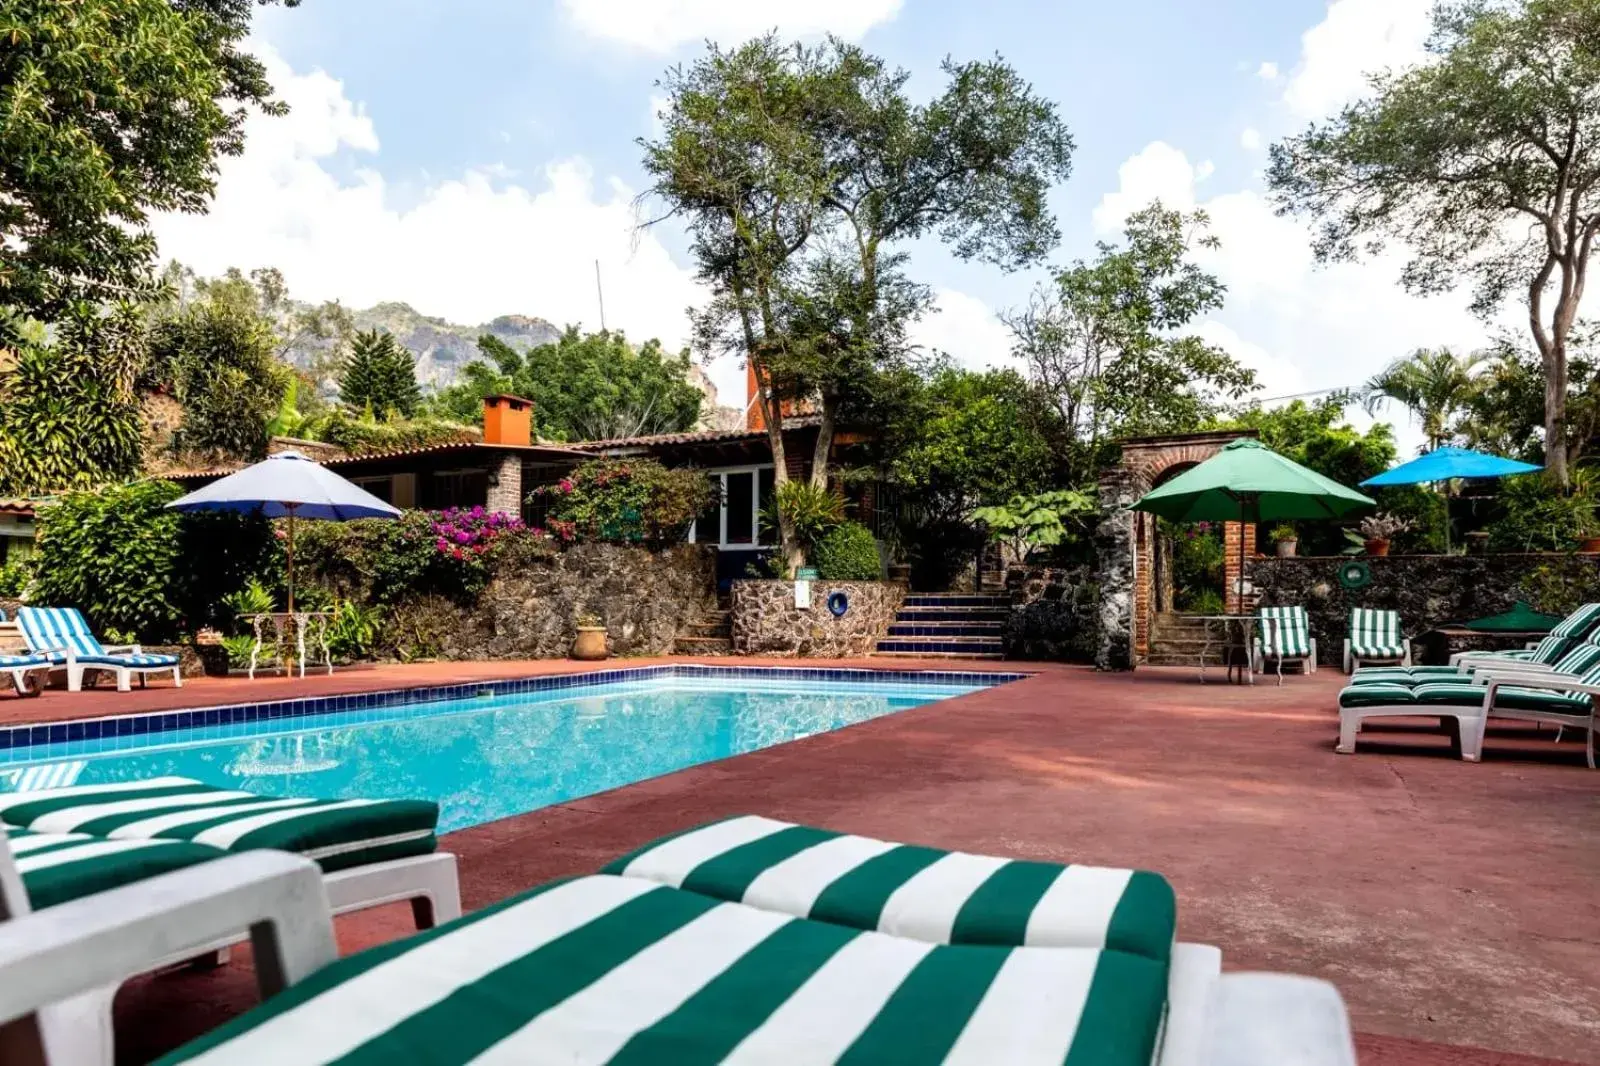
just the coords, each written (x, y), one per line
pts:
(1125, 540)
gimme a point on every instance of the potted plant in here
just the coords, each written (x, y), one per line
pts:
(590, 643)
(1379, 530)
(1287, 541)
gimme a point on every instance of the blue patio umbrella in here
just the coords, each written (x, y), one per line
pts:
(288, 485)
(1445, 464)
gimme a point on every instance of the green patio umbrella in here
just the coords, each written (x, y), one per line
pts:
(1249, 482)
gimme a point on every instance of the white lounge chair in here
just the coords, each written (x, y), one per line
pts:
(1285, 638)
(596, 968)
(88, 838)
(61, 634)
(1466, 706)
(1577, 661)
(1375, 637)
(28, 672)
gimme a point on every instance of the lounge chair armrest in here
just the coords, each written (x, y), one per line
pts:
(1521, 666)
(120, 649)
(54, 954)
(1512, 672)
(1563, 683)
(1272, 1019)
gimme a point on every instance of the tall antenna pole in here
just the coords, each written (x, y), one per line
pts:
(601, 292)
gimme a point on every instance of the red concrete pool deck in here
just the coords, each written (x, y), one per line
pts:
(1455, 905)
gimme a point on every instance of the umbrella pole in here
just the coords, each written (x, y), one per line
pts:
(291, 557)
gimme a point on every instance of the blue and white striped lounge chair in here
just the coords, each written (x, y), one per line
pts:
(76, 841)
(620, 969)
(1285, 637)
(1375, 637)
(28, 672)
(1467, 707)
(61, 634)
(1576, 662)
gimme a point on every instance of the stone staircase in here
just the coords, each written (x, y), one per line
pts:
(1176, 640)
(948, 625)
(710, 634)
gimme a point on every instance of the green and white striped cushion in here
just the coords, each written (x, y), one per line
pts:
(1579, 623)
(1509, 697)
(1582, 659)
(944, 897)
(1375, 634)
(1285, 632)
(336, 833)
(58, 867)
(619, 970)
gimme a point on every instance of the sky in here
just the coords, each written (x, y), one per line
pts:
(477, 158)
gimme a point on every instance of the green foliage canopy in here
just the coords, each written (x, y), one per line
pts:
(112, 109)
(379, 377)
(633, 501)
(1484, 163)
(585, 386)
(69, 411)
(847, 552)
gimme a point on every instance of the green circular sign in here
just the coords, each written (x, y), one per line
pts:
(1355, 575)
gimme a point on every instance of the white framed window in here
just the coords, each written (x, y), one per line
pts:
(736, 522)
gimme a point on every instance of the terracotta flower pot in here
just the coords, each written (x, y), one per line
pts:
(590, 644)
(1589, 546)
(1377, 548)
(1288, 548)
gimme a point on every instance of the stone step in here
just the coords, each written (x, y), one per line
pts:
(956, 599)
(902, 628)
(952, 645)
(722, 629)
(940, 655)
(931, 615)
(703, 646)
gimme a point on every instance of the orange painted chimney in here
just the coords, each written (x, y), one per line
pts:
(507, 420)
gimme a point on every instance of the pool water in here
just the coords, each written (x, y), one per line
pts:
(487, 757)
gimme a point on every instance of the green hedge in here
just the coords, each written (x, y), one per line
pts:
(847, 553)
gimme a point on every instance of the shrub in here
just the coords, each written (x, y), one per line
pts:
(14, 578)
(353, 630)
(1537, 516)
(635, 501)
(134, 567)
(812, 510)
(848, 553)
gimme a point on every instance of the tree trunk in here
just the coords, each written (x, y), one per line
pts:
(823, 452)
(772, 415)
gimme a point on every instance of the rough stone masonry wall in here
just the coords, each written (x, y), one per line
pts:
(766, 621)
(1055, 615)
(1428, 590)
(644, 598)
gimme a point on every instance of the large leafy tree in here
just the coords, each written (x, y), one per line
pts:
(801, 172)
(1484, 163)
(217, 353)
(585, 386)
(1105, 341)
(69, 406)
(109, 110)
(379, 376)
(1435, 384)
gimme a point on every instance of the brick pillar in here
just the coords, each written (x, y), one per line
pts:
(1231, 531)
(505, 486)
(1144, 537)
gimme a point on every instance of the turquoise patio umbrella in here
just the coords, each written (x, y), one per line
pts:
(1248, 482)
(1447, 464)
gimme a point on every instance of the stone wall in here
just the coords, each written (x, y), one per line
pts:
(1055, 616)
(766, 621)
(1427, 590)
(644, 598)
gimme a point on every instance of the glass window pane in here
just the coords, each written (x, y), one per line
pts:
(708, 524)
(765, 481)
(740, 505)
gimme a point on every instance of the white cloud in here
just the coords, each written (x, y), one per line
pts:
(1267, 72)
(1357, 38)
(967, 329)
(467, 248)
(1300, 325)
(1250, 139)
(663, 25)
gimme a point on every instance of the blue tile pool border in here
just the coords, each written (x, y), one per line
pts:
(27, 736)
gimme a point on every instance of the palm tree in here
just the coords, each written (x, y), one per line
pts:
(1434, 384)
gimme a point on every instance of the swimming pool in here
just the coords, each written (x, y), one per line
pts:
(481, 751)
